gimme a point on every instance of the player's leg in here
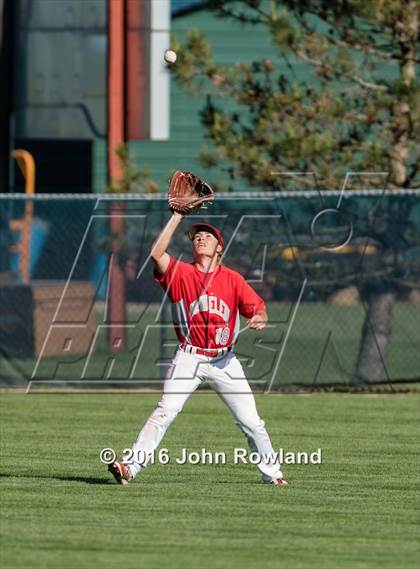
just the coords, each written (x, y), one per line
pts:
(182, 379)
(229, 381)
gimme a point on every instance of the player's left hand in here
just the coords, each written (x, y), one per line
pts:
(258, 321)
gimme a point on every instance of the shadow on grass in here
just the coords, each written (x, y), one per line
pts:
(105, 481)
(85, 479)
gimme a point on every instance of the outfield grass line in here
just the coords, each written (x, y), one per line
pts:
(206, 392)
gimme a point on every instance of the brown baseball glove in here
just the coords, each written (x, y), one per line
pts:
(187, 193)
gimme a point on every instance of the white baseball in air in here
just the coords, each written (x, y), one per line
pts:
(169, 56)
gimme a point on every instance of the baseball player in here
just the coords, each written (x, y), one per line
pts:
(207, 299)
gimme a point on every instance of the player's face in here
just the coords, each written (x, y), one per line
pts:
(205, 244)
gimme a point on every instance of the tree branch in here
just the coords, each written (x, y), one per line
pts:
(372, 86)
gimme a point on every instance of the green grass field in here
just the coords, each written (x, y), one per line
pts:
(60, 508)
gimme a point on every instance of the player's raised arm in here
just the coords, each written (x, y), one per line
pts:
(186, 194)
(158, 251)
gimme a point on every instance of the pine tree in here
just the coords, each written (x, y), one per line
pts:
(356, 109)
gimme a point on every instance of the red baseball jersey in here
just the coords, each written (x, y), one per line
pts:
(206, 306)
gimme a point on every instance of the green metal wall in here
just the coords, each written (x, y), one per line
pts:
(231, 42)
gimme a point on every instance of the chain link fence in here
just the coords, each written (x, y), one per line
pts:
(340, 274)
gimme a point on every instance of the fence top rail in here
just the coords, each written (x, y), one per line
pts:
(268, 195)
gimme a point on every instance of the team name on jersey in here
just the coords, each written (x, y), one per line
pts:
(211, 304)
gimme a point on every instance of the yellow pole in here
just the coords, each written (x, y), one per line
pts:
(26, 164)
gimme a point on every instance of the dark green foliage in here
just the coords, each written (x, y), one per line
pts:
(342, 95)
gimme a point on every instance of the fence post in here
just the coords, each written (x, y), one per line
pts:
(116, 313)
(26, 164)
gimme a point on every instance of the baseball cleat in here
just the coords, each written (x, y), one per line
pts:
(120, 471)
(280, 482)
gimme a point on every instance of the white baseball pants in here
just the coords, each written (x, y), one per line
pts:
(226, 376)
